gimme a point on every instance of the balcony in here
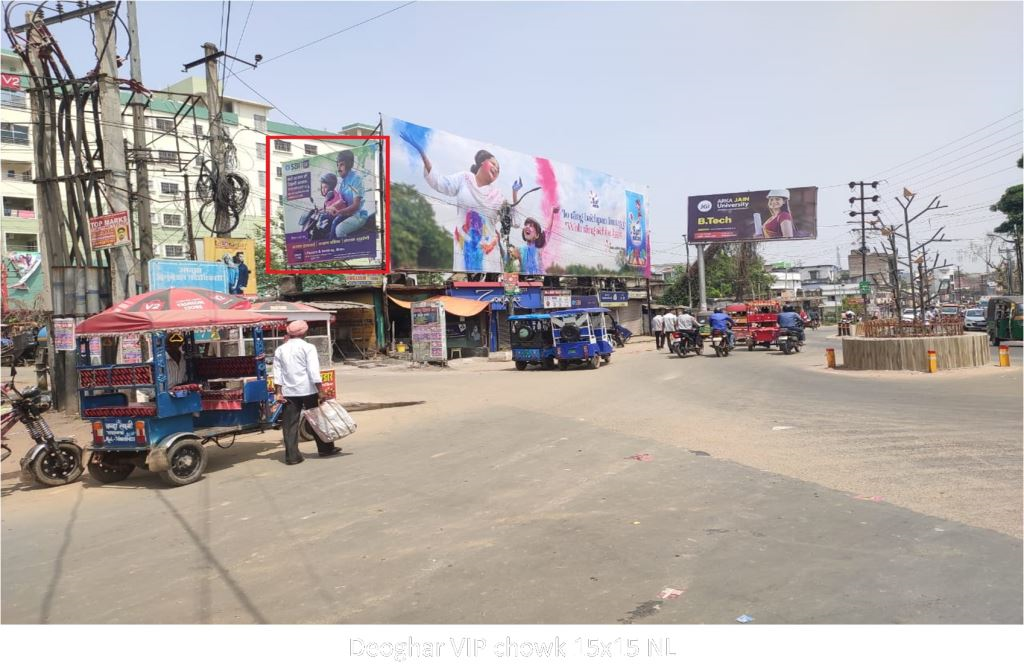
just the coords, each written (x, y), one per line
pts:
(19, 213)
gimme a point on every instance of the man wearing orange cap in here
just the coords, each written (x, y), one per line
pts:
(297, 384)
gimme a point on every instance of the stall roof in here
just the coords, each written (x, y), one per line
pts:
(338, 306)
(294, 310)
(495, 284)
(454, 305)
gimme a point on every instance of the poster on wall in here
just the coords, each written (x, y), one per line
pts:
(239, 256)
(113, 229)
(131, 350)
(64, 334)
(757, 215)
(188, 274)
(429, 342)
(489, 209)
(330, 209)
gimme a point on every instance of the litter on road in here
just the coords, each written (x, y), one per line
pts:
(744, 619)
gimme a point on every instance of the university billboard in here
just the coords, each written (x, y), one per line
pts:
(756, 215)
(469, 206)
(330, 211)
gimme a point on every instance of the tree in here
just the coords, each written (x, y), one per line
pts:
(267, 284)
(732, 271)
(1011, 204)
(417, 242)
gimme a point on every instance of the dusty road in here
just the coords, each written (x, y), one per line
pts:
(772, 487)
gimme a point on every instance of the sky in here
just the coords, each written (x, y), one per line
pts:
(688, 98)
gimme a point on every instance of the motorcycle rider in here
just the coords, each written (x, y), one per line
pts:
(721, 321)
(689, 326)
(790, 320)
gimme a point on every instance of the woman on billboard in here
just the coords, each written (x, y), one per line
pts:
(780, 221)
(477, 201)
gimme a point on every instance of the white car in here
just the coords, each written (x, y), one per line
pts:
(908, 315)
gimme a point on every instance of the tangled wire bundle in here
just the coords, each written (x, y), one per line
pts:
(228, 193)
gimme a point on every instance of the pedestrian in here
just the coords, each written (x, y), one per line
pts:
(669, 323)
(297, 385)
(243, 274)
(658, 325)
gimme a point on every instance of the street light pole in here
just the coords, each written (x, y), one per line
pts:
(689, 283)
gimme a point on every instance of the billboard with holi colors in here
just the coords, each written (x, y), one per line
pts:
(470, 206)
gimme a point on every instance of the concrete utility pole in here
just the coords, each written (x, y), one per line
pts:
(215, 106)
(689, 283)
(145, 224)
(122, 283)
(863, 231)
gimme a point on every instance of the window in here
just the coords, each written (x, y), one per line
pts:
(164, 124)
(169, 188)
(310, 149)
(22, 242)
(261, 150)
(166, 156)
(13, 98)
(13, 133)
(197, 130)
(814, 275)
(263, 205)
(260, 122)
(174, 250)
(261, 177)
(172, 220)
(280, 145)
(229, 106)
(279, 172)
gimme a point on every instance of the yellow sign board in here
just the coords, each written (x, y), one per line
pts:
(216, 249)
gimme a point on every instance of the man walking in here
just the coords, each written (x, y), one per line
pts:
(297, 384)
(658, 325)
(669, 323)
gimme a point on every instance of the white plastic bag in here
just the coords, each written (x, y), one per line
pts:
(330, 420)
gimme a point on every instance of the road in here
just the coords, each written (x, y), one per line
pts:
(763, 484)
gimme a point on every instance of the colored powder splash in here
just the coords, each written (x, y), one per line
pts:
(548, 182)
(407, 137)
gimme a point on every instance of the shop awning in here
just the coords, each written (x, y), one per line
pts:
(293, 310)
(454, 305)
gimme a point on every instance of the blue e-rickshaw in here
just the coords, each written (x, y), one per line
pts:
(582, 336)
(221, 397)
(532, 342)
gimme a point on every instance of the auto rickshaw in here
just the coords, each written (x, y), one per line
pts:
(762, 318)
(1004, 319)
(532, 342)
(139, 418)
(581, 336)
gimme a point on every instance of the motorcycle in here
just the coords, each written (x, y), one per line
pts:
(720, 343)
(814, 323)
(788, 341)
(682, 344)
(315, 223)
(51, 461)
(620, 335)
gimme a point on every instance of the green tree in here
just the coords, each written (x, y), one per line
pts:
(267, 284)
(417, 242)
(1011, 204)
(732, 271)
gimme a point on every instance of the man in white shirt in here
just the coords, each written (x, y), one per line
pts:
(669, 321)
(689, 326)
(297, 385)
(658, 325)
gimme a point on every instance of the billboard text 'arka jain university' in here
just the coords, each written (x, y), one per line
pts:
(469, 206)
(755, 215)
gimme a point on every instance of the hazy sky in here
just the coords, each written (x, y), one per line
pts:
(688, 98)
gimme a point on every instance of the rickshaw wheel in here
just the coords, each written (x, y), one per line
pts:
(607, 359)
(595, 362)
(549, 363)
(750, 346)
(105, 471)
(188, 460)
(562, 365)
(47, 468)
(520, 366)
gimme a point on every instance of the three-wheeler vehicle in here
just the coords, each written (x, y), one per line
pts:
(532, 342)
(1004, 319)
(581, 336)
(160, 414)
(762, 321)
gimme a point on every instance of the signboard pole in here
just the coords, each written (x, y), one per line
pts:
(700, 273)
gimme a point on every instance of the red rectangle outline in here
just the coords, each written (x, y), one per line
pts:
(386, 250)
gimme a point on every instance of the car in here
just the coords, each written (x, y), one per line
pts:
(974, 320)
(909, 315)
(948, 310)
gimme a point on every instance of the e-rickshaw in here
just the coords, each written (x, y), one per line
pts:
(1004, 319)
(220, 396)
(762, 320)
(581, 336)
(532, 341)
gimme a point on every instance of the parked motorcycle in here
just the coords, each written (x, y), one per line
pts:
(720, 343)
(788, 341)
(51, 461)
(682, 344)
(620, 335)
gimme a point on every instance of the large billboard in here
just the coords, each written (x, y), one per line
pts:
(469, 206)
(756, 215)
(330, 211)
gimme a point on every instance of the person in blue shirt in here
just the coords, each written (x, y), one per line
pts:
(243, 274)
(791, 320)
(723, 322)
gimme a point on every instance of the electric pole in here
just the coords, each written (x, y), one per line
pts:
(863, 233)
(140, 153)
(689, 283)
(700, 273)
(122, 284)
(215, 107)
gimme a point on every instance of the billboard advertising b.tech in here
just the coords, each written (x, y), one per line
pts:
(469, 206)
(756, 215)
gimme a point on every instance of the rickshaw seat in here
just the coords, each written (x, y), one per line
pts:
(131, 410)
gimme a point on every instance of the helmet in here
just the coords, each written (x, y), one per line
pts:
(718, 310)
(330, 180)
(787, 309)
(779, 192)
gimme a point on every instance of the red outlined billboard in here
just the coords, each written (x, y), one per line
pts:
(318, 226)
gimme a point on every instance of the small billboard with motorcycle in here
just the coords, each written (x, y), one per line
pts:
(330, 207)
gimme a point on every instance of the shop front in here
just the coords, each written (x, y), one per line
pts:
(529, 299)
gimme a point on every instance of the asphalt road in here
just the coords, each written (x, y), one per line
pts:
(763, 484)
